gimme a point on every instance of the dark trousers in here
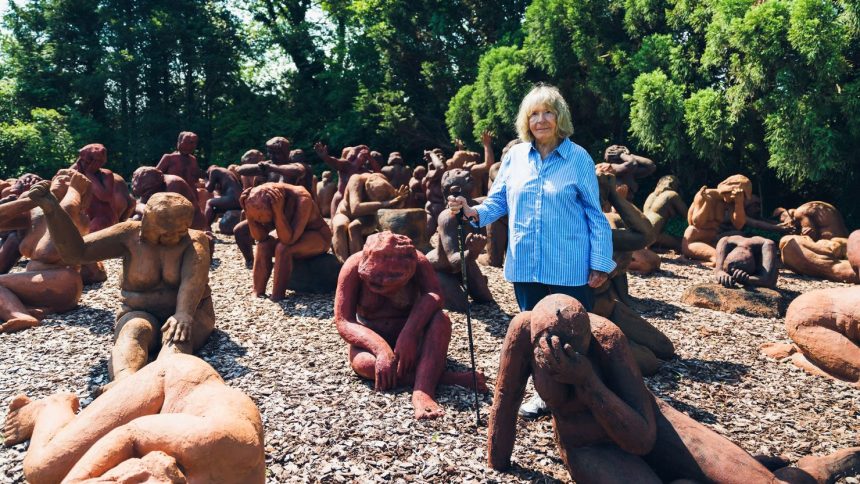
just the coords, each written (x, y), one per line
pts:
(529, 293)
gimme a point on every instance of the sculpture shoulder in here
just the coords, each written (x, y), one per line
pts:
(606, 334)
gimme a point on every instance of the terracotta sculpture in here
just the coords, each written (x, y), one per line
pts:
(608, 426)
(229, 187)
(480, 171)
(388, 308)
(446, 256)
(417, 198)
(111, 202)
(662, 205)
(326, 190)
(710, 209)
(299, 231)
(631, 231)
(748, 261)
(826, 258)
(251, 157)
(432, 183)
(280, 168)
(355, 217)
(396, 171)
(817, 220)
(462, 159)
(146, 181)
(173, 421)
(353, 160)
(182, 162)
(164, 286)
(10, 252)
(628, 167)
(48, 284)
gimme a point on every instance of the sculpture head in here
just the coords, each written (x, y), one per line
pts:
(166, 219)
(66, 178)
(606, 183)
(378, 188)
(215, 177)
(147, 181)
(752, 206)
(252, 157)
(91, 158)
(186, 143)
(258, 203)
(667, 183)
(395, 158)
(25, 182)
(297, 155)
(388, 262)
(614, 152)
(347, 152)
(457, 177)
(727, 186)
(562, 316)
(741, 257)
(419, 172)
(279, 150)
(461, 157)
(785, 216)
(325, 177)
(377, 157)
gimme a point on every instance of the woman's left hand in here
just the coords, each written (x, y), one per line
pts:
(597, 278)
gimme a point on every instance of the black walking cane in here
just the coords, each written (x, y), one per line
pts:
(461, 239)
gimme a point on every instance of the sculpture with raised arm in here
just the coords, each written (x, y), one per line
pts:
(816, 220)
(608, 426)
(663, 205)
(389, 309)
(711, 208)
(280, 168)
(173, 421)
(353, 160)
(628, 167)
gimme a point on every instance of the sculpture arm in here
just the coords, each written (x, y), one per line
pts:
(356, 193)
(514, 370)
(290, 171)
(724, 246)
(258, 231)
(15, 215)
(640, 231)
(345, 311)
(249, 170)
(335, 163)
(640, 166)
(429, 302)
(765, 225)
(600, 256)
(767, 274)
(194, 275)
(739, 216)
(109, 243)
(301, 216)
(164, 163)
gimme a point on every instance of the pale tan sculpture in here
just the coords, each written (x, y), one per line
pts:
(173, 421)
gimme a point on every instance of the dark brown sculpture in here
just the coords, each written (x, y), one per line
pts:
(146, 181)
(711, 209)
(388, 308)
(826, 258)
(631, 231)
(228, 186)
(10, 252)
(251, 157)
(111, 202)
(48, 284)
(432, 183)
(446, 256)
(748, 261)
(326, 190)
(663, 204)
(353, 160)
(165, 293)
(417, 198)
(608, 426)
(299, 231)
(173, 421)
(355, 217)
(280, 168)
(628, 167)
(182, 162)
(480, 171)
(396, 171)
(817, 220)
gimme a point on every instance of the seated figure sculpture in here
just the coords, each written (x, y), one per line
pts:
(396, 171)
(10, 252)
(228, 186)
(174, 421)
(628, 167)
(182, 162)
(824, 258)
(353, 160)
(631, 231)
(446, 256)
(417, 198)
(241, 232)
(146, 181)
(481, 171)
(355, 217)
(663, 205)
(280, 168)
(711, 208)
(816, 220)
(164, 289)
(432, 184)
(48, 284)
(111, 201)
(608, 426)
(287, 225)
(389, 309)
(326, 189)
(748, 261)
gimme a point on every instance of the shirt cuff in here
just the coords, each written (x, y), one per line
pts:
(482, 215)
(602, 263)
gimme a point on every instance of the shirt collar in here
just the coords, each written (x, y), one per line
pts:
(563, 149)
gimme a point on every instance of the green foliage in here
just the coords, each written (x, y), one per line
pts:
(42, 144)
(657, 114)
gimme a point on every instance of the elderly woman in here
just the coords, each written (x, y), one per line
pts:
(560, 241)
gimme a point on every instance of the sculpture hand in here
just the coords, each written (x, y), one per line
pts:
(740, 276)
(78, 181)
(475, 243)
(321, 149)
(737, 194)
(278, 200)
(458, 144)
(725, 279)
(177, 329)
(406, 353)
(385, 371)
(563, 363)
(597, 278)
(487, 137)
(41, 195)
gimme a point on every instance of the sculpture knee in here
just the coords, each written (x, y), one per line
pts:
(137, 329)
(439, 330)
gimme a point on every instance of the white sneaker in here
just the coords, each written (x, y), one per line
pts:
(533, 408)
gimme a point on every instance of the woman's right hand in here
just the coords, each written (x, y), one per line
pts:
(455, 204)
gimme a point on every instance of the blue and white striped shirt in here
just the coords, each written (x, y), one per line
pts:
(557, 232)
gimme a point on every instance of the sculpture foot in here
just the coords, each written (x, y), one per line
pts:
(21, 419)
(829, 468)
(277, 297)
(804, 364)
(425, 406)
(464, 379)
(17, 324)
(778, 350)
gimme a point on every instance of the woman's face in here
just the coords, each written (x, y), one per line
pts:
(542, 124)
